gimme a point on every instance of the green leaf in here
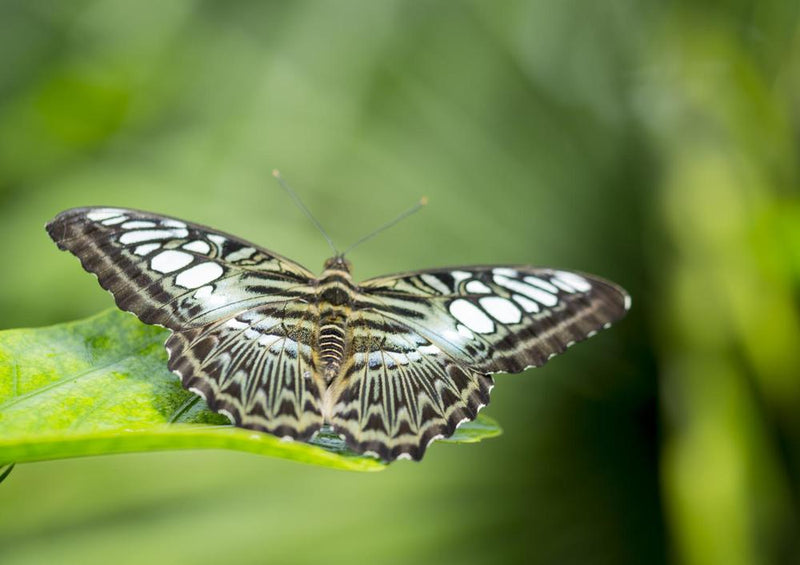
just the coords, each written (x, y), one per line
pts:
(101, 385)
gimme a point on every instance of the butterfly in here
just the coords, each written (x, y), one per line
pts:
(390, 364)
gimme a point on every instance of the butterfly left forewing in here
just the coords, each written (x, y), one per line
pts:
(172, 272)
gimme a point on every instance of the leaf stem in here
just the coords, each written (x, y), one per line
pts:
(7, 471)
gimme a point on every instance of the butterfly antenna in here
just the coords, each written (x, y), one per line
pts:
(306, 211)
(415, 208)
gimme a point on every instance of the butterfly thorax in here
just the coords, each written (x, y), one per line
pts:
(335, 295)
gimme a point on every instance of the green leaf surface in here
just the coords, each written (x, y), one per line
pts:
(101, 385)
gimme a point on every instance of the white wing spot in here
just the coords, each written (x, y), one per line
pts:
(173, 224)
(471, 316)
(238, 255)
(627, 302)
(143, 250)
(544, 285)
(375, 359)
(138, 224)
(268, 339)
(217, 239)
(114, 221)
(527, 305)
(206, 295)
(459, 334)
(464, 331)
(170, 260)
(197, 246)
(235, 324)
(452, 336)
(199, 275)
(575, 281)
(562, 285)
(99, 215)
(203, 292)
(477, 287)
(505, 272)
(429, 350)
(531, 292)
(435, 284)
(501, 309)
(146, 235)
(459, 276)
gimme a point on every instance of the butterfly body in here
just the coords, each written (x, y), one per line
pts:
(391, 363)
(335, 297)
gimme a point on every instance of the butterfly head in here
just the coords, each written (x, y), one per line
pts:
(338, 263)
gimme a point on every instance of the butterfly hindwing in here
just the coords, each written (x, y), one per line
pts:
(171, 272)
(398, 391)
(257, 368)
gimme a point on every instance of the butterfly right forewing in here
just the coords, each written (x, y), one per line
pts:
(499, 318)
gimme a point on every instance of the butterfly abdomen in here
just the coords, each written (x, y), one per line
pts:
(335, 293)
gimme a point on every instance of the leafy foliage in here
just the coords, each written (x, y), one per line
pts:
(101, 385)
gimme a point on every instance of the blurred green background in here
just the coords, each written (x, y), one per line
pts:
(654, 143)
